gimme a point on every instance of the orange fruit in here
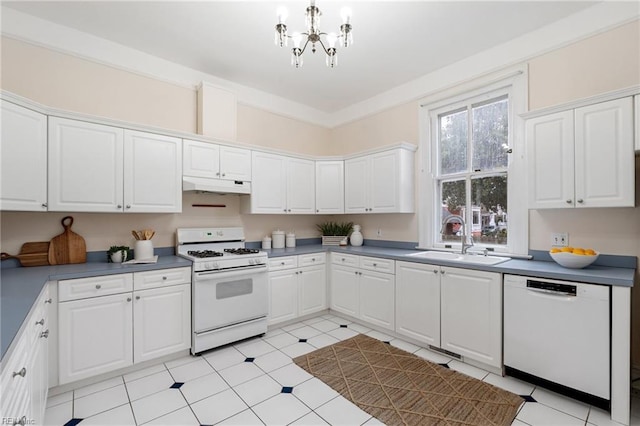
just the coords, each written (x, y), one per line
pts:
(579, 251)
(554, 250)
(589, 252)
(566, 249)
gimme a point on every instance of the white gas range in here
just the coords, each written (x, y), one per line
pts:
(229, 286)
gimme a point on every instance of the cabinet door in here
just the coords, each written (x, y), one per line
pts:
(356, 185)
(301, 181)
(200, 159)
(152, 173)
(269, 183)
(550, 156)
(418, 302)
(85, 167)
(312, 288)
(23, 157)
(345, 290)
(605, 164)
(329, 187)
(161, 321)
(471, 317)
(385, 175)
(283, 296)
(235, 163)
(96, 336)
(377, 299)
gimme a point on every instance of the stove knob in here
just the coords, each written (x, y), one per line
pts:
(214, 265)
(208, 265)
(252, 262)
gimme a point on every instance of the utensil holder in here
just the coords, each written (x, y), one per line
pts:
(143, 249)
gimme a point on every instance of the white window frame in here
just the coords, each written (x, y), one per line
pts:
(512, 82)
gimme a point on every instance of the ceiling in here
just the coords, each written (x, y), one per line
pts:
(395, 42)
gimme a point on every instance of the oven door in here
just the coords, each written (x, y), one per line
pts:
(222, 298)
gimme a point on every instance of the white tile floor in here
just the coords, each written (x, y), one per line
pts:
(254, 382)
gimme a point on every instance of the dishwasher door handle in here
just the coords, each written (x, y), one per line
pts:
(551, 292)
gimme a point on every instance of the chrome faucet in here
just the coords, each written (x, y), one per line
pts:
(465, 245)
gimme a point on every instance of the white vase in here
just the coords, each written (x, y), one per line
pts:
(117, 257)
(356, 236)
(143, 250)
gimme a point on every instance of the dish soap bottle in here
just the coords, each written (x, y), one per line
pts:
(356, 236)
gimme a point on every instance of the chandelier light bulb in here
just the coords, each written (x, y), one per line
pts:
(345, 14)
(332, 39)
(297, 39)
(283, 14)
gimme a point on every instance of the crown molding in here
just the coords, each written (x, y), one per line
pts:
(596, 19)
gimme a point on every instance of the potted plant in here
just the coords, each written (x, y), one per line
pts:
(333, 232)
(118, 254)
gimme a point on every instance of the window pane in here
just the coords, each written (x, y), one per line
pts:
(489, 202)
(490, 132)
(453, 142)
(453, 195)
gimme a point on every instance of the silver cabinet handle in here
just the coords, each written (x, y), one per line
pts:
(45, 334)
(569, 201)
(300, 272)
(435, 271)
(128, 299)
(356, 272)
(41, 322)
(313, 259)
(137, 297)
(164, 278)
(49, 300)
(282, 263)
(20, 373)
(343, 259)
(317, 210)
(98, 286)
(224, 174)
(442, 272)
(217, 173)
(128, 206)
(285, 210)
(44, 205)
(375, 264)
(580, 200)
(289, 210)
(119, 206)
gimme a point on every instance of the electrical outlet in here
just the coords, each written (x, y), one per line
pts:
(560, 239)
(379, 233)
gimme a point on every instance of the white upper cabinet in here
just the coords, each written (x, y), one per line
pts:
(85, 166)
(582, 157)
(23, 155)
(329, 187)
(380, 182)
(97, 168)
(281, 185)
(152, 173)
(207, 160)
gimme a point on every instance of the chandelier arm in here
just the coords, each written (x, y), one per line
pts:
(305, 44)
(323, 47)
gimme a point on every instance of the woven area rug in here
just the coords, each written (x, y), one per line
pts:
(399, 388)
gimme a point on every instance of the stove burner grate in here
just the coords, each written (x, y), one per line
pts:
(204, 253)
(241, 251)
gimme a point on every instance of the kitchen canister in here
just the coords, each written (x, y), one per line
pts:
(266, 243)
(356, 236)
(291, 240)
(143, 250)
(277, 239)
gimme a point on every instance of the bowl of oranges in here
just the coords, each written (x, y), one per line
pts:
(573, 257)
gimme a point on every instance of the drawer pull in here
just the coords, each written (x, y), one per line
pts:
(45, 334)
(128, 299)
(282, 263)
(20, 373)
(435, 271)
(313, 259)
(137, 297)
(98, 286)
(49, 300)
(375, 264)
(164, 278)
(41, 322)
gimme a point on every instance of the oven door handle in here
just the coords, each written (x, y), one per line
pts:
(230, 273)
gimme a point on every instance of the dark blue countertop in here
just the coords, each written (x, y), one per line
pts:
(594, 274)
(20, 287)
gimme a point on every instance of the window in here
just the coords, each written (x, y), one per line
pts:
(472, 146)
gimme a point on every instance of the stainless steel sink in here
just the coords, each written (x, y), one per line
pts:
(476, 259)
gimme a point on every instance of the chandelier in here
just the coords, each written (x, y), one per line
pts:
(314, 35)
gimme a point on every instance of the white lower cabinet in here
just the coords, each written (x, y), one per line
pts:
(456, 309)
(24, 380)
(102, 332)
(297, 286)
(364, 291)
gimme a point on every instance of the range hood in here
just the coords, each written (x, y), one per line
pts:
(221, 186)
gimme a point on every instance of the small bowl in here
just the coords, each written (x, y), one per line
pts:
(573, 261)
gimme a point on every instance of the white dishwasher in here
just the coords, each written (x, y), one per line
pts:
(559, 331)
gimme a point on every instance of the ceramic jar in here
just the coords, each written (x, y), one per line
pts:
(290, 240)
(356, 236)
(266, 243)
(143, 250)
(277, 239)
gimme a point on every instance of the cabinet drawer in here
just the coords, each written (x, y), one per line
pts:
(280, 263)
(83, 288)
(377, 264)
(13, 386)
(161, 278)
(312, 259)
(344, 259)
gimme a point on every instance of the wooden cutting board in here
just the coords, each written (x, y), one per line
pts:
(67, 247)
(31, 254)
